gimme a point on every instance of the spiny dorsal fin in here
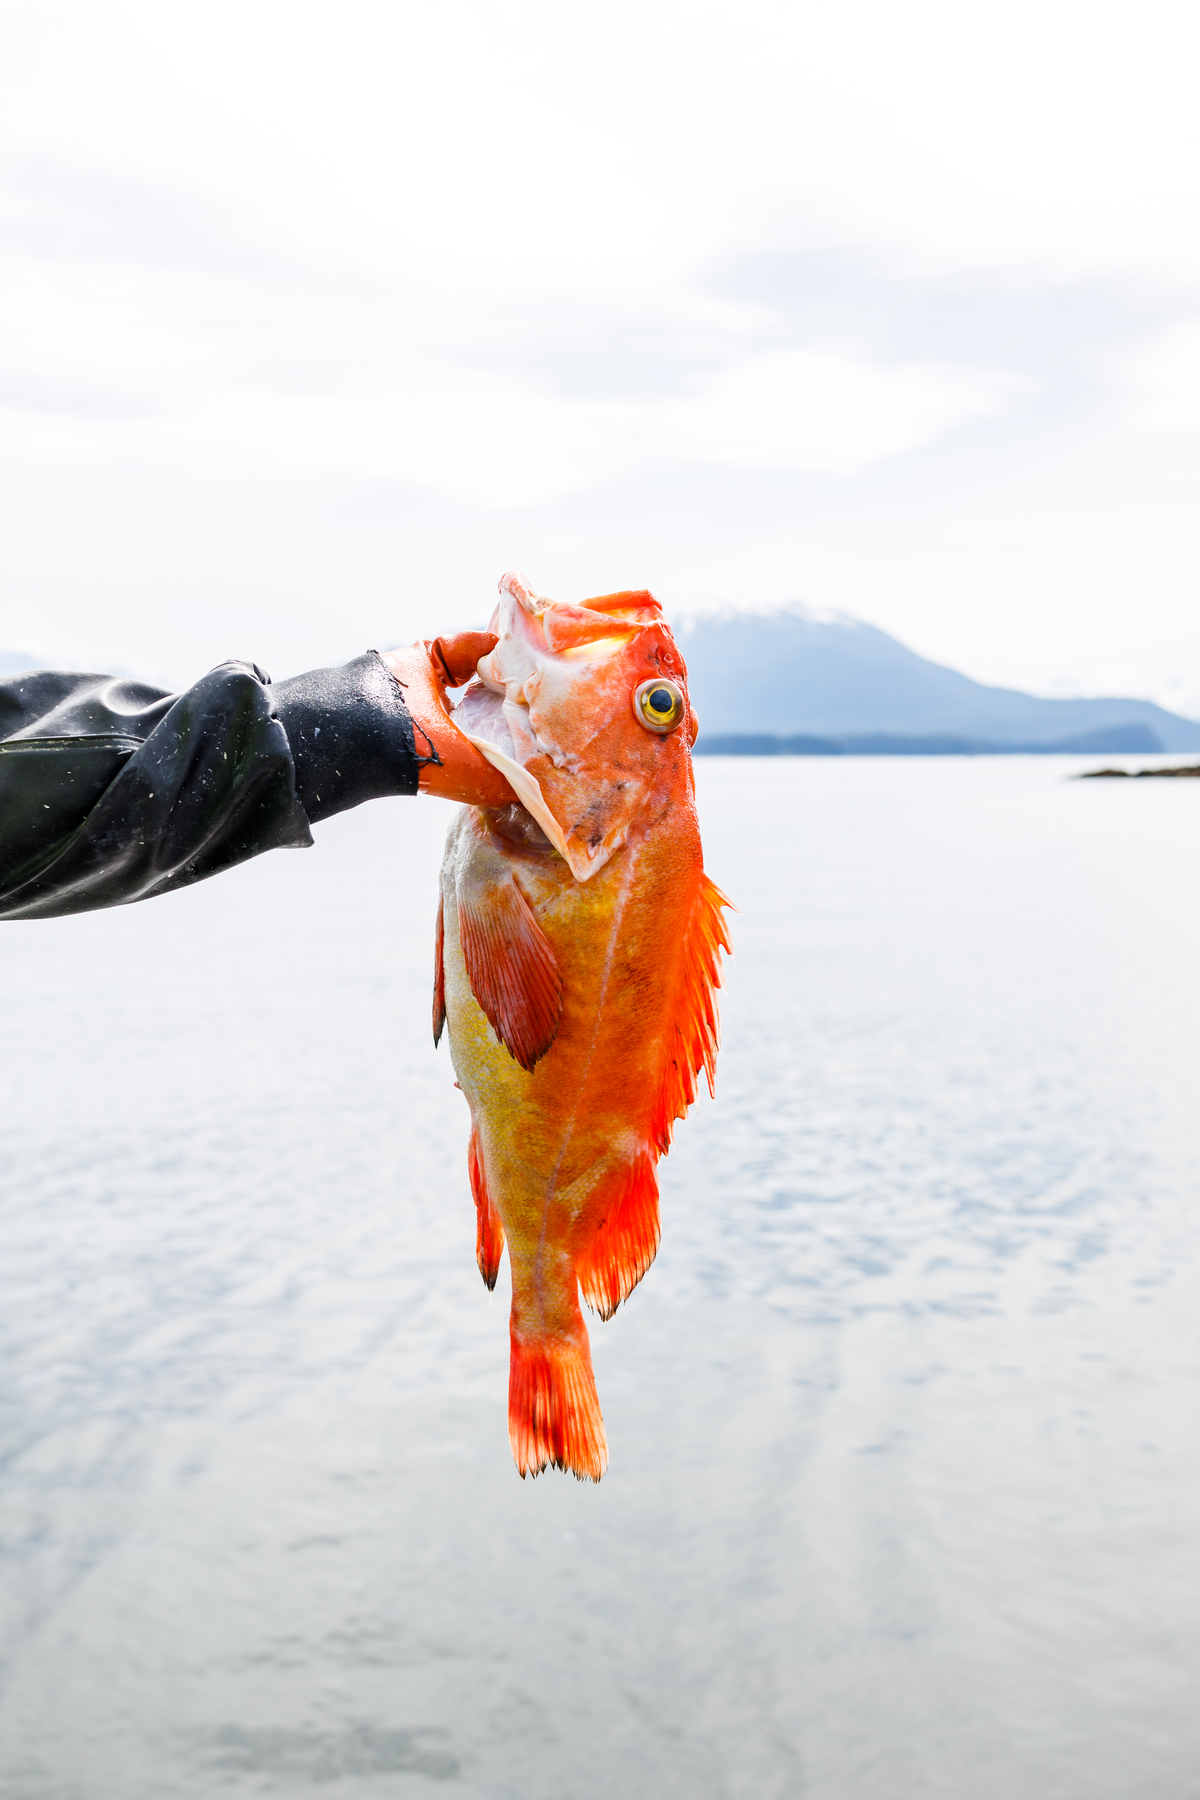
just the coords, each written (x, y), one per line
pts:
(510, 963)
(696, 1037)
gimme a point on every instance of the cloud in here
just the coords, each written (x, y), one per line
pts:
(1061, 331)
(890, 307)
(825, 410)
(53, 211)
(491, 438)
(559, 150)
(1163, 381)
(140, 333)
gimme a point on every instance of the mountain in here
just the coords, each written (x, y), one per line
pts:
(792, 683)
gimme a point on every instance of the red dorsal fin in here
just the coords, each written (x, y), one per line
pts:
(693, 1044)
(489, 1231)
(625, 1245)
(439, 975)
(510, 964)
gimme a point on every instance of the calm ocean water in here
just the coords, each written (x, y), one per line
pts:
(904, 1423)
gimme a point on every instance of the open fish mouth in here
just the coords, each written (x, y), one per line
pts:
(551, 710)
(528, 790)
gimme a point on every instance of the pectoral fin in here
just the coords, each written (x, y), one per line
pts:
(510, 963)
(439, 975)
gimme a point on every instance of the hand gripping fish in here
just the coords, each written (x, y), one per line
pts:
(576, 960)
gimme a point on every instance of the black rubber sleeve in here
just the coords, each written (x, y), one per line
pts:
(112, 791)
(351, 736)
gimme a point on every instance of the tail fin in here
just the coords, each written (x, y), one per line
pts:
(626, 1243)
(554, 1410)
(489, 1231)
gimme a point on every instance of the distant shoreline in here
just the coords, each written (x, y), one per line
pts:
(1120, 740)
(1137, 774)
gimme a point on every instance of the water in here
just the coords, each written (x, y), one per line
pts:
(904, 1427)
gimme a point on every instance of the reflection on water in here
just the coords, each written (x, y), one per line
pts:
(903, 1423)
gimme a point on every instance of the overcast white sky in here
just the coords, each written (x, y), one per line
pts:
(316, 317)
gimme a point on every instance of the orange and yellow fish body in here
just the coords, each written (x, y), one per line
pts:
(577, 958)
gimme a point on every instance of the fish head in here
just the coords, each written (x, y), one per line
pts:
(585, 709)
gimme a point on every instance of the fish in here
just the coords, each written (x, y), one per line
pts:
(576, 968)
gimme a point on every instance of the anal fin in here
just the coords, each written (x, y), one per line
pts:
(626, 1243)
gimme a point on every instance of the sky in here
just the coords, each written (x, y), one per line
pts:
(315, 318)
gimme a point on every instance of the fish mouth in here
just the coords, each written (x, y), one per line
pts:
(528, 790)
(543, 695)
(481, 717)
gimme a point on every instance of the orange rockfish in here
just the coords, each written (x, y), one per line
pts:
(576, 960)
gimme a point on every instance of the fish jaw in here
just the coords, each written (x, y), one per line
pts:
(554, 699)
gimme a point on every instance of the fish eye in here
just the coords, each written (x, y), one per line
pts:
(658, 704)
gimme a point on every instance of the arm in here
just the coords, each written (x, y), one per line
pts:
(112, 791)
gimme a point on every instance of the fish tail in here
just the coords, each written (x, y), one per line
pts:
(553, 1408)
(626, 1243)
(489, 1231)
